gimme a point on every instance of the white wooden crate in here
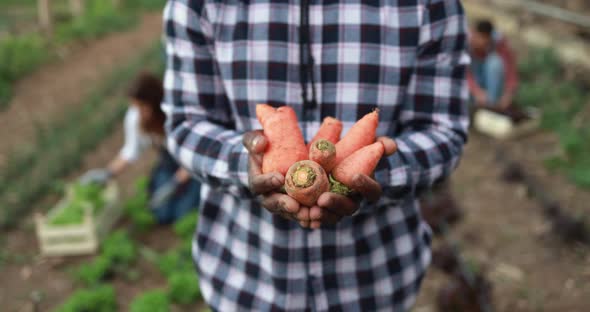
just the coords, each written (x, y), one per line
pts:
(502, 127)
(78, 239)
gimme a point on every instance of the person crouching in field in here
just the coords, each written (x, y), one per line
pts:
(492, 76)
(172, 191)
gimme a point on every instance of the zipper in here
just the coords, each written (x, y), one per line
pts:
(306, 61)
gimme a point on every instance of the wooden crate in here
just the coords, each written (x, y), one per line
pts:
(78, 239)
(501, 127)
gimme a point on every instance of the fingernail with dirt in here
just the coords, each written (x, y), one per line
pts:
(276, 182)
(255, 142)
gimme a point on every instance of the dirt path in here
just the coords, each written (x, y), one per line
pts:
(504, 230)
(47, 94)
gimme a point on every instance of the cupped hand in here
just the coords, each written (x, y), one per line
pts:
(332, 207)
(268, 185)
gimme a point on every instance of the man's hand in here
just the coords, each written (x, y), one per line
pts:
(332, 207)
(269, 184)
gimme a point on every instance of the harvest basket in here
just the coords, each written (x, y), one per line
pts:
(82, 238)
(502, 127)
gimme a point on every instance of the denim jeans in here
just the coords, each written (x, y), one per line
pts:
(184, 200)
(489, 74)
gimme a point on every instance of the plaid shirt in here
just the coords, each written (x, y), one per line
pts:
(405, 57)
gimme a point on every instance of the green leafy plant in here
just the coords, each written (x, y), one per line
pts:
(99, 18)
(183, 287)
(136, 208)
(174, 261)
(185, 227)
(83, 196)
(561, 102)
(97, 299)
(19, 55)
(151, 301)
(93, 273)
(145, 4)
(117, 252)
(119, 248)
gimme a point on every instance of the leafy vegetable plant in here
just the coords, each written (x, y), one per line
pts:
(183, 287)
(151, 301)
(83, 196)
(98, 299)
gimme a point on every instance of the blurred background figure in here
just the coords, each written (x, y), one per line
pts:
(493, 76)
(172, 191)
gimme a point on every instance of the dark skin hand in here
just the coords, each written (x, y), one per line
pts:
(268, 185)
(330, 208)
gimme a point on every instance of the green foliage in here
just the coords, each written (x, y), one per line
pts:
(183, 287)
(93, 273)
(151, 301)
(19, 55)
(119, 249)
(185, 227)
(137, 209)
(145, 4)
(99, 18)
(537, 60)
(98, 299)
(83, 196)
(580, 175)
(561, 102)
(174, 261)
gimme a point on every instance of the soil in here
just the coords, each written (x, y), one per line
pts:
(506, 233)
(44, 95)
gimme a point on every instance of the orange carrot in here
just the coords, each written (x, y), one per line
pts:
(361, 134)
(263, 111)
(329, 130)
(363, 161)
(285, 140)
(324, 153)
(305, 181)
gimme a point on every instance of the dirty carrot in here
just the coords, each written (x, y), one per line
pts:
(305, 181)
(286, 145)
(361, 134)
(364, 161)
(329, 130)
(263, 111)
(324, 153)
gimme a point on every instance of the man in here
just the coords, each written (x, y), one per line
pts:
(326, 58)
(493, 77)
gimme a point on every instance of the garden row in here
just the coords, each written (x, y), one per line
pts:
(59, 148)
(565, 111)
(119, 256)
(467, 288)
(23, 53)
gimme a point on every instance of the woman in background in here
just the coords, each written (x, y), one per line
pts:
(172, 191)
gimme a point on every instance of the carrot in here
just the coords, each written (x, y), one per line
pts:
(324, 153)
(363, 161)
(360, 135)
(329, 130)
(305, 181)
(286, 145)
(263, 111)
